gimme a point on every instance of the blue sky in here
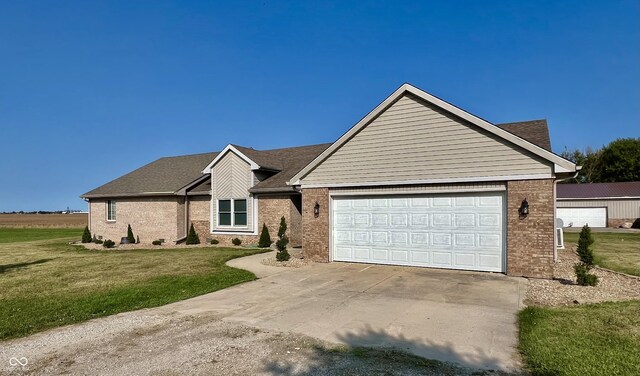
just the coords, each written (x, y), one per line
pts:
(92, 90)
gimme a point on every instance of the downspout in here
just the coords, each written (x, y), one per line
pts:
(555, 210)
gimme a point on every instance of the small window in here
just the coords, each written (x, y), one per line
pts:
(239, 212)
(224, 212)
(111, 210)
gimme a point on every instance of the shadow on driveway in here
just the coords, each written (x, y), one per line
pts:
(376, 352)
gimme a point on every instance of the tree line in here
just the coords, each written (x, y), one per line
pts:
(619, 161)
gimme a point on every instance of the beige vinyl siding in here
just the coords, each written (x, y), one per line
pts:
(413, 140)
(616, 208)
(422, 188)
(231, 178)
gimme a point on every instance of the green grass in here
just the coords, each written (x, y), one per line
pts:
(12, 235)
(597, 339)
(45, 284)
(614, 250)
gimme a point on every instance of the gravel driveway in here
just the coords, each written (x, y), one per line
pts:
(144, 343)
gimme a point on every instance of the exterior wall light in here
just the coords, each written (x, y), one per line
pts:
(316, 210)
(524, 208)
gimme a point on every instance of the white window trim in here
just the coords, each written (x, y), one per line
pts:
(232, 212)
(115, 207)
(230, 230)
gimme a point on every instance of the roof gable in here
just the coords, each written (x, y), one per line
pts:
(560, 164)
(232, 149)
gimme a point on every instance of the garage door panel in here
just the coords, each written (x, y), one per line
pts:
(462, 231)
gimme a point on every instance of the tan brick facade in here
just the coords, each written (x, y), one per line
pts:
(315, 230)
(530, 240)
(150, 218)
(270, 209)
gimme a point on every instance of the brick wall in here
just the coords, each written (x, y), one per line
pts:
(270, 209)
(315, 231)
(150, 218)
(530, 241)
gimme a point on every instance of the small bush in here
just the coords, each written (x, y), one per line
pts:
(236, 241)
(98, 241)
(138, 239)
(86, 235)
(130, 237)
(283, 228)
(156, 242)
(585, 253)
(583, 277)
(281, 243)
(282, 254)
(214, 241)
(192, 238)
(109, 243)
(265, 238)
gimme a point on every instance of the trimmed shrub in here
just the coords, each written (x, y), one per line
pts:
(265, 238)
(98, 241)
(585, 253)
(283, 228)
(156, 242)
(130, 237)
(583, 277)
(236, 241)
(192, 238)
(109, 243)
(214, 241)
(281, 243)
(86, 235)
(138, 239)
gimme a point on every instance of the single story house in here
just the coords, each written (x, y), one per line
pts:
(416, 182)
(599, 204)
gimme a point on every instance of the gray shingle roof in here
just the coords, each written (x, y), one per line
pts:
(163, 176)
(166, 176)
(534, 131)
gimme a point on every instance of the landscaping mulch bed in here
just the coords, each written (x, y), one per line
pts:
(563, 290)
(297, 260)
(151, 246)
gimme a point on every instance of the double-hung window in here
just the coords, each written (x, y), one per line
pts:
(111, 210)
(232, 212)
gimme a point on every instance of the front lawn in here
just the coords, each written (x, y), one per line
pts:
(51, 283)
(597, 339)
(619, 251)
(11, 235)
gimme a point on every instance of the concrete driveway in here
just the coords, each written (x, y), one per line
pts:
(463, 317)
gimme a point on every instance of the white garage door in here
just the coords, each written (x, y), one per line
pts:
(462, 231)
(578, 217)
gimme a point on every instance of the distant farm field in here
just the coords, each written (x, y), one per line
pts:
(77, 220)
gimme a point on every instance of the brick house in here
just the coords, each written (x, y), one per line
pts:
(416, 182)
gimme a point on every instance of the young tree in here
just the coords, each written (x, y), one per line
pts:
(585, 253)
(130, 237)
(192, 238)
(282, 242)
(86, 235)
(265, 238)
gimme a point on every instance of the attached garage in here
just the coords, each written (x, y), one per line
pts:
(421, 182)
(453, 231)
(578, 217)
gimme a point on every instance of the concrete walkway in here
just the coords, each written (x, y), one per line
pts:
(463, 317)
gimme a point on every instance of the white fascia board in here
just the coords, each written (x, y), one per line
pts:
(230, 148)
(558, 161)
